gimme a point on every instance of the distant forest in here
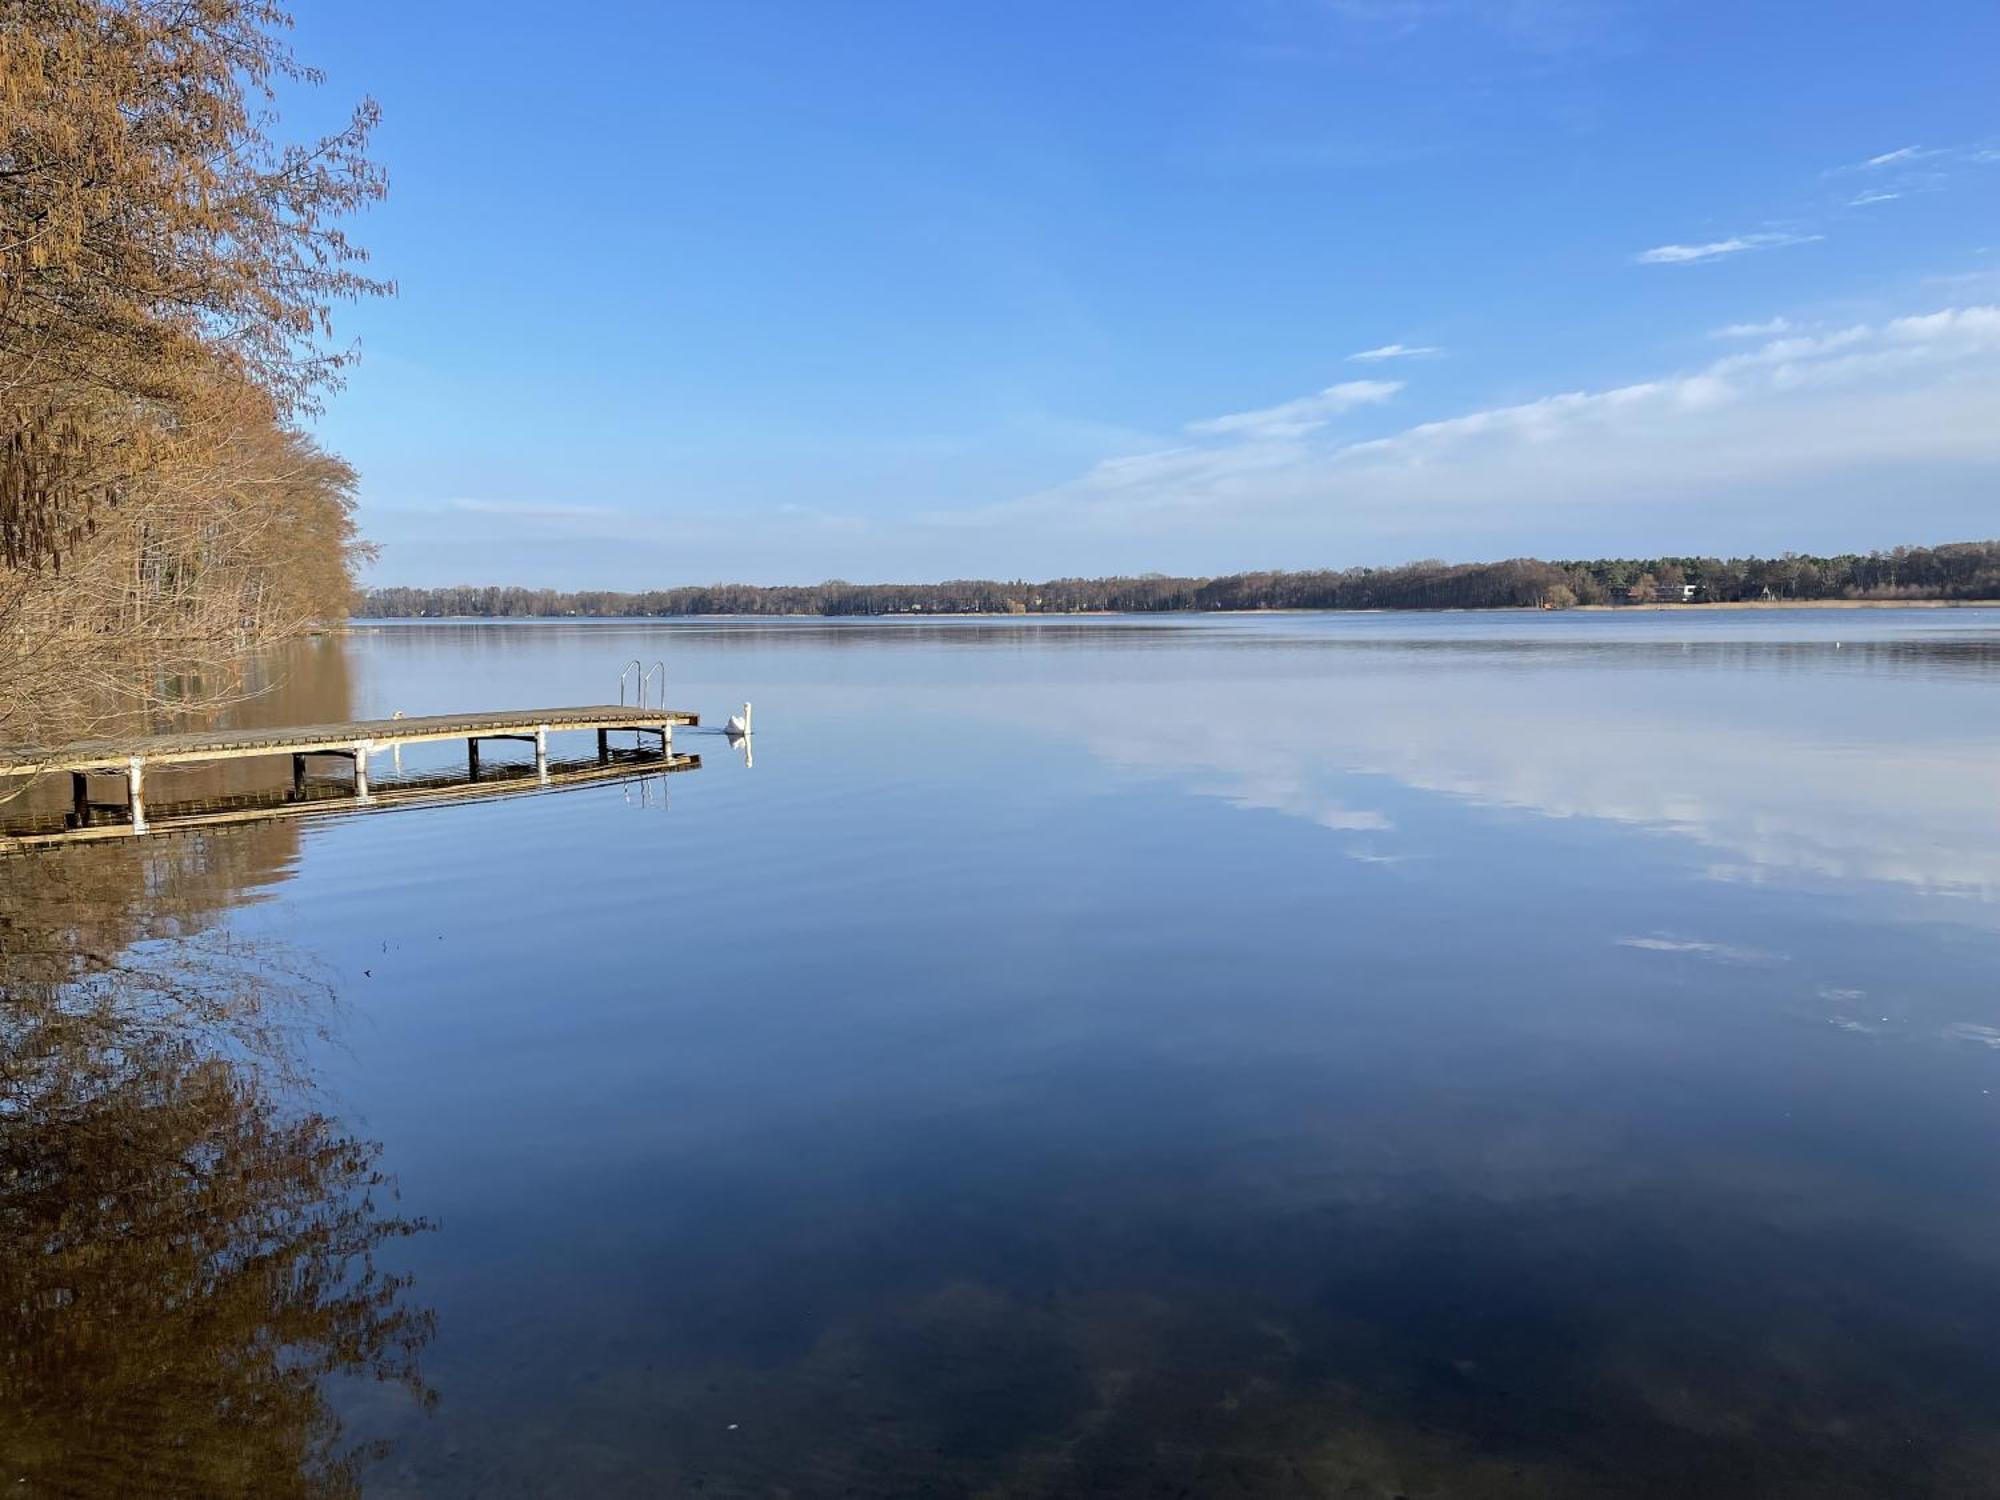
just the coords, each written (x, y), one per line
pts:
(1958, 570)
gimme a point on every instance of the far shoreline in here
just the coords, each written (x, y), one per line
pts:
(362, 622)
(1797, 604)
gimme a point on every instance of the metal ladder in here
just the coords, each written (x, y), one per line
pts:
(634, 672)
(633, 677)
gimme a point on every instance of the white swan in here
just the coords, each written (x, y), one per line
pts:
(739, 724)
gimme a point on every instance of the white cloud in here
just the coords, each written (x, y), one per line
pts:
(1396, 351)
(1296, 418)
(1897, 157)
(1783, 365)
(1766, 329)
(1892, 162)
(1826, 415)
(1680, 255)
(1861, 200)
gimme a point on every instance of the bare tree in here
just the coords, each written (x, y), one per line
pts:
(167, 274)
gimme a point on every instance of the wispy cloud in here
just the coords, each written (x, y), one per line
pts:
(1296, 418)
(1896, 174)
(1898, 157)
(1938, 156)
(1828, 414)
(1769, 328)
(1681, 255)
(1396, 351)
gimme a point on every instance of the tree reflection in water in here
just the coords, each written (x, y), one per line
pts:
(186, 1245)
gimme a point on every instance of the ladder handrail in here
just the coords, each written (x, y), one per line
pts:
(661, 668)
(625, 671)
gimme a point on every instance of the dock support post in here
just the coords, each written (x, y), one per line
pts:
(361, 770)
(541, 752)
(135, 791)
(79, 796)
(472, 760)
(603, 745)
(666, 742)
(298, 777)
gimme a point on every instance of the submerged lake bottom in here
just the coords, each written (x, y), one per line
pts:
(1364, 1056)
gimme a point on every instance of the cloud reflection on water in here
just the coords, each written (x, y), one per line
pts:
(1803, 771)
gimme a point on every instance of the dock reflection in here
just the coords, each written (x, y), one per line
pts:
(281, 798)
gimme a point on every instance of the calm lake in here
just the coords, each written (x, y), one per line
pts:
(1367, 1056)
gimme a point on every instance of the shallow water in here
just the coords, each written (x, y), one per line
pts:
(1373, 1055)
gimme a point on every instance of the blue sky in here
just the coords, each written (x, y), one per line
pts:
(787, 291)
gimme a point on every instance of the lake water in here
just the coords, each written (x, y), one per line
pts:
(1367, 1056)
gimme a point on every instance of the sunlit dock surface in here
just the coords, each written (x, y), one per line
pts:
(115, 752)
(321, 798)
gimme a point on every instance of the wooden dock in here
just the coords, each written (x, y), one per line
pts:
(128, 756)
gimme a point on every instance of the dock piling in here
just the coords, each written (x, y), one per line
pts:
(135, 790)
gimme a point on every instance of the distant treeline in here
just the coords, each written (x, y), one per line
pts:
(1958, 570)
